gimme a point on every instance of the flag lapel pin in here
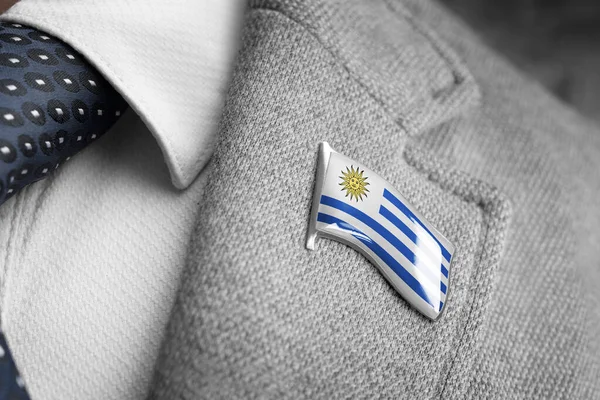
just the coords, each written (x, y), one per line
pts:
(357, 207)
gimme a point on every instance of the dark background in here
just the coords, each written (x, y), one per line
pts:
(556, 42)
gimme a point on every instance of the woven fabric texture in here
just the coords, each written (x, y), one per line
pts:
(258, 316)
(90, 257)
(541, 338)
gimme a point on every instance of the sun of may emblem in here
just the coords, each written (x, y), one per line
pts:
(354, 183)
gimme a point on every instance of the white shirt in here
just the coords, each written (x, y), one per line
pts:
(91, 256)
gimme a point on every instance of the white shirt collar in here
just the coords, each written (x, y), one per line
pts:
(170, 59)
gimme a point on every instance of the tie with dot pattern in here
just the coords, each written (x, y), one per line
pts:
(52, 104)
(12, 386)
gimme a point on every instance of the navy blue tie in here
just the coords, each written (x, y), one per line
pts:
(52, 104)
(12, 386)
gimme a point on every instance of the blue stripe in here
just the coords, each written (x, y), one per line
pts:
(371, 223)
(399, 224)
(398, 269)
(395, 201)
(402, 226)
(441, 305)
(443, 287)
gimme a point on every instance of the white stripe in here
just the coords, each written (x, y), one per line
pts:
(427, 243)
(427, 259)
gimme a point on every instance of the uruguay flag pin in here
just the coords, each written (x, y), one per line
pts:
(355, 206)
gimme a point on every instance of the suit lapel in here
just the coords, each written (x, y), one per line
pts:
(258, 314)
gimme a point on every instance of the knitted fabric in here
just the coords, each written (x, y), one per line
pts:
(259, 316)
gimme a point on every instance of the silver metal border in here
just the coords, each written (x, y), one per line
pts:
(324, 154)
(322, 163)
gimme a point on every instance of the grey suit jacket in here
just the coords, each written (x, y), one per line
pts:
(505, 171)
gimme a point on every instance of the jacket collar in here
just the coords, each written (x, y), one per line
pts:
(170, 60)
(403, 65)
